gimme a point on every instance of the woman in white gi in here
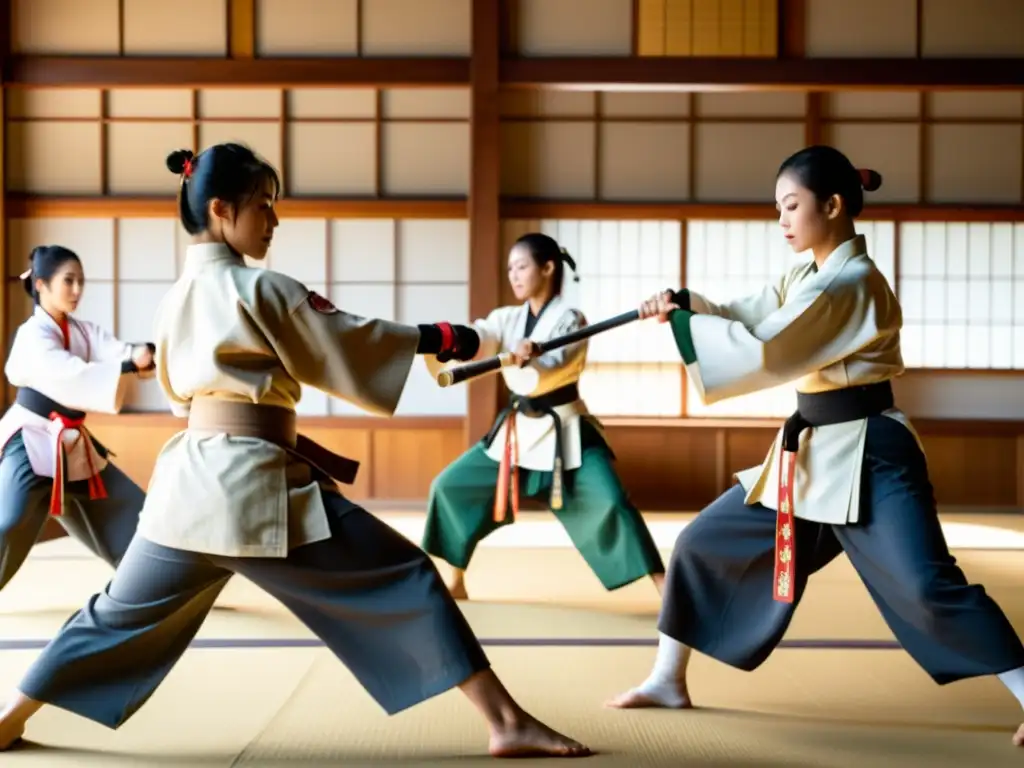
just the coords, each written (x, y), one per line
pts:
(240, 492)
(544, 442)
(50, 465)
(846, 472)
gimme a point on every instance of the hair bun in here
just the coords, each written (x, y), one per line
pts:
(870, 180)
(177, 159)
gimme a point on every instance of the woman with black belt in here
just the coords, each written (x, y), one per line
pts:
(846, 472)
(544, 444)
(51, 464)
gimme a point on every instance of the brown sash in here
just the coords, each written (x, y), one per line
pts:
(274, 424)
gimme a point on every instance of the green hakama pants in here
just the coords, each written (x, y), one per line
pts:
(603, 524)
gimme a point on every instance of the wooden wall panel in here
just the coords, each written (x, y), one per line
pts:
(665, 468)
(676, 465)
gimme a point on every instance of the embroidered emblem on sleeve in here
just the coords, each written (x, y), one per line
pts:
(320, 304)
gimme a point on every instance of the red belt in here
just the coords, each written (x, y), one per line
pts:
(97, 490)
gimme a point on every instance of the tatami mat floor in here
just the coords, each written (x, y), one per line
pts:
(258, 690)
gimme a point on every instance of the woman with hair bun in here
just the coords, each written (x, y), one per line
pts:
(846, 472)
(545, 438)
(239, 491)
(50, 464)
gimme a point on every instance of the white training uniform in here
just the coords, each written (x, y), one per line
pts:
(262, 333)
(81, 372)
(827, 329)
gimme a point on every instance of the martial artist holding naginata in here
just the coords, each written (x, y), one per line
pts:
(846, 472)
(544, 444)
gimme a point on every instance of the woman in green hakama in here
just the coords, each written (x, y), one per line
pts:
(543, 445)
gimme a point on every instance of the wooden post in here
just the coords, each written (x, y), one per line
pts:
(485, 262)
(5, 50)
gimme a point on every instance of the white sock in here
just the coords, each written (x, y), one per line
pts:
(1014, 680)
(668, 675)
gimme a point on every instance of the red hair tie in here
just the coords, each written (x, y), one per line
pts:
(188, 168)
(865, 177)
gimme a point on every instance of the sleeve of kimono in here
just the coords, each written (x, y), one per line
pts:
(364, 361)
(38, 360)
(815, 329)
(489, 330)
(104, 345)
(571, 321)
(749, 310)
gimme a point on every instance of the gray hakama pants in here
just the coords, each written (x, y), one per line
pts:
(718, 595)
(105, 526)
(373, 597)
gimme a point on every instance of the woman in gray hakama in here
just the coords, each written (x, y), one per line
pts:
(239, 491)
(739, 570)
(50, 464)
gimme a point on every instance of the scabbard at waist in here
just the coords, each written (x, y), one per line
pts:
(814, 410)
(274, 424)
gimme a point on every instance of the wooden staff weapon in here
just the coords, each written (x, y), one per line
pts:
(467, 371)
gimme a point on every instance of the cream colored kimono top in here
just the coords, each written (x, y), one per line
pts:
(229, 331)
(501, 331)
(825, 329)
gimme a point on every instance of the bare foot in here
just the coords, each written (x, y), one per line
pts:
(649, 696)
(458, 590)
(10, 735)
(1018, 738)
(528, 737)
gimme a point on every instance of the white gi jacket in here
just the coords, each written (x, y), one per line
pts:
(82, 373)
(232, 332)
(825, 329)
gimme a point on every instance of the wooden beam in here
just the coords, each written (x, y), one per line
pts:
(38, 207)
(993, 427)
(168, 72)
(41, 206)
(621, 73)
(558, 209)
(241, 29)
(485, 260)
(792, 20)
(761, 74)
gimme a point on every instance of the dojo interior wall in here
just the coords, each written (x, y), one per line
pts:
(636, 154)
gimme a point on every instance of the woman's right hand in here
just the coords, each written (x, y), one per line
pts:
(659, 306)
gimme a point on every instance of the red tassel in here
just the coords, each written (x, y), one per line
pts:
(97, 489)
(785, 531)
(508, 473)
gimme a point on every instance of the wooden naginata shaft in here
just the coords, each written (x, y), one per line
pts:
(461, 373)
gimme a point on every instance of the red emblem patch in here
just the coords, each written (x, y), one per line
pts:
(321, 305)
